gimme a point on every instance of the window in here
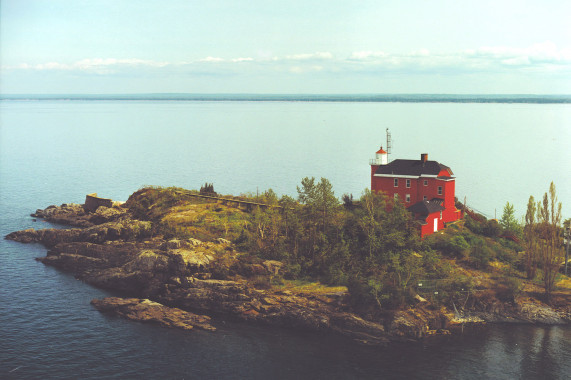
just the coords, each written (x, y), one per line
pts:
(425, 198)
(439, 190)
(440, 214)
(407, 198)
(425, 182)
(396, 196)
(408, 183)
(396, 182)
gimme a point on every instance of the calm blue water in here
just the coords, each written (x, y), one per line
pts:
(53, 152)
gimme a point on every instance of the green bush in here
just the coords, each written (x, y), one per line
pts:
(510, 244)
(452, 246)
(480, 255)
(366, 293)
(492, 228)
(277, 280)
(505, 255)
(473, 225)
(433, 265)
(336, 276)
(472, 239)
(291, 271)
(510, 288)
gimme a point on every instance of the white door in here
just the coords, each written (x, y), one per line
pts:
(435, 224)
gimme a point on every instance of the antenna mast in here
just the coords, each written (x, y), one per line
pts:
(389, 145)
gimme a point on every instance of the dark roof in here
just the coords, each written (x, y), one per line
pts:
(412, 167)
(425, 207)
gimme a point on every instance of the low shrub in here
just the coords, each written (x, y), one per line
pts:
(481, 255)
(510, 288)
(453, 246)
(261, 282)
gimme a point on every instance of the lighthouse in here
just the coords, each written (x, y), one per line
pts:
(426, 188)
(381, 158)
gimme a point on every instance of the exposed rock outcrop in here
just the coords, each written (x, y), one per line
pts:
(126, 229)
(76, 215)
(144, 310)
(418, 322)
(117, 255)
(111, 249)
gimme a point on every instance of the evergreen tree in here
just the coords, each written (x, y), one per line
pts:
(508, 221)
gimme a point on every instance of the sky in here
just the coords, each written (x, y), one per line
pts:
(266, 46)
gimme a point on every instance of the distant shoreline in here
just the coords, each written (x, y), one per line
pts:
(364, 98)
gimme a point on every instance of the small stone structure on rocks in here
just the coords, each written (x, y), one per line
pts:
(92, 202)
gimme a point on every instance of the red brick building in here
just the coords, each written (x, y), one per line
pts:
(425, 187)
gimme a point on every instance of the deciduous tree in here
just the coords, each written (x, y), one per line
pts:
(530, 235)
(549, 218)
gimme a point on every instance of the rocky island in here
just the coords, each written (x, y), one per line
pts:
(179, 258)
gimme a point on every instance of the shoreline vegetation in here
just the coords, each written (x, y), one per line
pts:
(183, 258)
(379, 98)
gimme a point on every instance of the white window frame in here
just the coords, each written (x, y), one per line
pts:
(440, 190)
(407, 198)
(425, 182)
(396, 196)
(396, 182)
(408, 183)
(440, 215)
(424, 198)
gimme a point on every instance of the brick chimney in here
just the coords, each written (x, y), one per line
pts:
(424, 157)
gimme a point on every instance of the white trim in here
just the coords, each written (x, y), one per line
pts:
(397, 176)
(414, 176)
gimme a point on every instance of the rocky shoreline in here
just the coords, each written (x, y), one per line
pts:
(172, 279)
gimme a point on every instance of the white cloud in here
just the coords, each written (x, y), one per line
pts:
(543, 57)
(545, 52)
(211, 59)
(310, 56)
(246, 59)
(420, 53)
(516, 61)
(363, 55)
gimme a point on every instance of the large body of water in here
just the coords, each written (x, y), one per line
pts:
(53, 152)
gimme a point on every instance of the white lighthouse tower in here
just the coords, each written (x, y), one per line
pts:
(381, 158)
